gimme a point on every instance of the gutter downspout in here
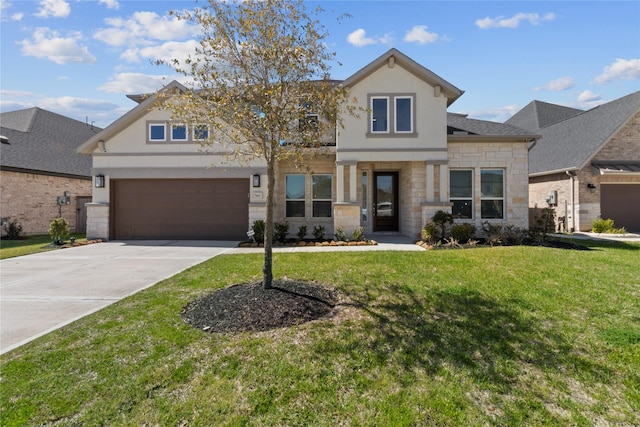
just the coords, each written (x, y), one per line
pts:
(572, 176)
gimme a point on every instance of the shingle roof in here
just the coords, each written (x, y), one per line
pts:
(538, 114)
(461, 123)
(571, 143)
(40, 140)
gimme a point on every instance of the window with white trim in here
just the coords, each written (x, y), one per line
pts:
(321, 190)
(392, 115)
(492, 194)
(179, 132)
(295, 196)
(461, 193)
(403, 114)
(380, 114)
(200, 132)
(157, 132)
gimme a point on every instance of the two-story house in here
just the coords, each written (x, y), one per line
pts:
(391, 168)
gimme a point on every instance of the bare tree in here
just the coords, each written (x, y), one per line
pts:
(260, 69)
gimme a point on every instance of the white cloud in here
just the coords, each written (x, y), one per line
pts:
(622, 69)
(17, 16)
(358, 38)
(588, 96)
(111, 4)
(420, 35)
(499, 114)
(143, 27)
(134, 83)
(50, 45)
(55, 8)
(514, 21)
(563, 83)
(166, 52)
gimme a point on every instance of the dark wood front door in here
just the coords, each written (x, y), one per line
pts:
(385, 201)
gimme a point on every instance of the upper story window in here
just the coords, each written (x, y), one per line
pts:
(200, 132)
(157, 132)
(309, 123)
(392, 115)
(179, 132)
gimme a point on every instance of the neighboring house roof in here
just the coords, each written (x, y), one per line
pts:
(394, 56)
(538, 114)
(40, 141)
(460, 124)
(571, 143)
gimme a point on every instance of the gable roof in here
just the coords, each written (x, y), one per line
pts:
(538, 114)
(571, 143)
(145, 103)
(394, 56)
(45, 142)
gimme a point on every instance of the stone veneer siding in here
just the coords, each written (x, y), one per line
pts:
(510, 156)
(31, 199)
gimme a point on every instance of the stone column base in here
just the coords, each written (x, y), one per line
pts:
(97, 221)
(346, 216)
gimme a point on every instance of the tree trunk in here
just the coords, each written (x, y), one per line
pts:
(267, 272)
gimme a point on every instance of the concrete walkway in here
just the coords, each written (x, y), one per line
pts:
(42, 292)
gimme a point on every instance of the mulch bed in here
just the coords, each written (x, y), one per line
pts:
(250, 307)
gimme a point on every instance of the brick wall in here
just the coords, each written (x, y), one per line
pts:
(31, 199)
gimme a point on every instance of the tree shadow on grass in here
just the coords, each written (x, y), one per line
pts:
(489, 340)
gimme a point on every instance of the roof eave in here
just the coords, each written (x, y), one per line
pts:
(492, 138)
(552, 172)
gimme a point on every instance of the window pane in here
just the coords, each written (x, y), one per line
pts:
(156, 132)
(200, 132)
(460, 184)
(179, 132)
(492, 209)
(295, 187)
(365, 216)
(321, 186)
(295, 209)
(322, 209)
(379, 115)
(403, 115)
(492, 183)
(462, 209)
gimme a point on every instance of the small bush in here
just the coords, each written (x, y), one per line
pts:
(258, 229)
(13, 229)
(59, 231)
(430, 233)
(601, 225)
(280, 231)
(442, 219)
(493, 233)
(340, 236)
(358, 235)
(302, 232)
(462, 232)
(318, 232)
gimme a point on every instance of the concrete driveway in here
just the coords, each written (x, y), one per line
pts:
(43, 292)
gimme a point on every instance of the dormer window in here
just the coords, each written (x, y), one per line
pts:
(392, 115)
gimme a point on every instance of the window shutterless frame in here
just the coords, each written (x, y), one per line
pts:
(157, 132)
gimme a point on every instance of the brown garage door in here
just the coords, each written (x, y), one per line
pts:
(621, 203)
(180, 209)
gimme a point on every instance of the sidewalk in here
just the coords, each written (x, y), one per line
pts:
(583, 235)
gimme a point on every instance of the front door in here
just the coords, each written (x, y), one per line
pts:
(385, 201)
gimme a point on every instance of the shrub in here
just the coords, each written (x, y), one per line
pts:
(302, 232)
(258, 229)
(512, 235)
(462, 232)
(493, 233)
(59, 231)
(318, 232)
(601, 225)
(13, 229)
(340, 236)
(442, 219)
(358, 235)
(430, 233)
(280, 231)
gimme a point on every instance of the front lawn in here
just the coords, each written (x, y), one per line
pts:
(486, 336)
(30, 245)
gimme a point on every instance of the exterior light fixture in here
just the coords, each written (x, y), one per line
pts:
(99, 181)
(592, 187)
(256, 180)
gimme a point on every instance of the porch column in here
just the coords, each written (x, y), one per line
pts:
(340, 183)
(430, 182)
(444, 183)
(353, 181)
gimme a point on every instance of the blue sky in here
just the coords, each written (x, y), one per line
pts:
(80, 58)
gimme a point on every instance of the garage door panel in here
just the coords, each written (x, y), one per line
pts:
(621, 202)
(180, 209)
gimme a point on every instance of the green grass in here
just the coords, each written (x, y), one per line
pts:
(488, 336)
(29, 245)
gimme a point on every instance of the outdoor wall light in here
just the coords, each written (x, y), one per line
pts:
(592, 187)
(256, 180)
(99, 181)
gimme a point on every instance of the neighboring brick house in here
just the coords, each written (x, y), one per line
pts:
(38, 164)
(589, 159)
(388, 170)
